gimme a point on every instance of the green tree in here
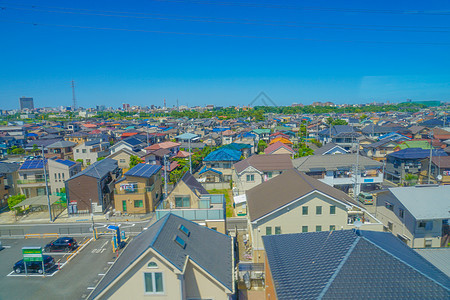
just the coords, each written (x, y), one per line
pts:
(411, 179)
(339, 122)
(100, 158)
(363, 117)
(18, 151)
(261, 146)
(14, 200)
(304, 150)
(134, 160)
(35, 148)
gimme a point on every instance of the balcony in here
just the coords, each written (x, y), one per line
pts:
(147, 189)
(31, 181)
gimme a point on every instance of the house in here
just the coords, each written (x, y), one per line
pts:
(375, 131)
(419, 132)
(61, 149)
(31, 179)
(217, 165)
(123, 157)
(339, 171)
(440, 170)
(279, 148)
(378, 150)
(342, 135)
(418, 215)
(4, 195)
(228, 137)
(294, 202)
(132, 143)
(89, 152)
(246, 149)
(407, 161)
(173, 259)
(171, 146)
(262, 134)
(190, 200)
(139, 190)
(330, 148)
(256, 169)
(348, 264)
(59, 170)
(77, 137)
(413, 144)
(281, 140)
(92, 190)
(10, 174)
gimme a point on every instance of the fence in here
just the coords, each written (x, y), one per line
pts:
(216, 185)
(12, 232)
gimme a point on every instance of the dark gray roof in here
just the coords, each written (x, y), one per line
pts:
(6, 168)
(62, 144)
(327, 147)
(193, 184)
(371, 128)
(208, 248)
(345, 264)
(99, 169)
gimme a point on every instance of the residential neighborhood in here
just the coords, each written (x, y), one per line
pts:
(294, 206)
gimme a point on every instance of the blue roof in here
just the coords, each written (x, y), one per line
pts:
(236, 146)
(132, 141)
(393, 135)
(205, 169)
(344, 264)
(187, 136)
(416, 153)
(223, 154)
(143, 170)
(66, 162)
(220, 129)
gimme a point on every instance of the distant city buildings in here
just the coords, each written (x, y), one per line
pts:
(26, 103)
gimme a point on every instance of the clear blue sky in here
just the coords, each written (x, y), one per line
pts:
(223, 52)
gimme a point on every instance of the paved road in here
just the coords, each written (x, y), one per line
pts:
(75, 229)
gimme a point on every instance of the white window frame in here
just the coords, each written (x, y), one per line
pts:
(154, 283)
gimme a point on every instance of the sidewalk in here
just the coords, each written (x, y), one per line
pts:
(8, 218)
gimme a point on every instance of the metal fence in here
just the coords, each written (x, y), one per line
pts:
(12, 232)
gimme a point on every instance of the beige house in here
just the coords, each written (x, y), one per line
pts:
(257, 169)
(139, 191)
(192, 201)
(123, 157)
(173, 259)
(294, 202)
(418, 215)
(59, 170)
(31, 179)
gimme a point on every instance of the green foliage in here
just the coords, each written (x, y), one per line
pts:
(317, 143)
(339, 122)
(80, 160)
(304, 150)
(363, 117)
(14, 200)
(18, 151)
(411, 179)
(134, 160)
(229, 203)
(100, 158)
(261, 146)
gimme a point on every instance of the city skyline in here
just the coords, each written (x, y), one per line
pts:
(214, 53)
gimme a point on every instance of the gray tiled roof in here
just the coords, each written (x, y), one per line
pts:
(6, 168)
(333, 162)
(193, 183)
(327, 147)
(208, 248)
(99, 169)
(265, 163)
(345, 265)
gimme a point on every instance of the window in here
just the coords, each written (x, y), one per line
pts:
(154, 283)
(251, 178)
(214, 228)
(63, 177)
(83, 150)
(138, 203)
(269, 175)
(428, 243)
(268, 230)
(59, 177)
(122, 161)
(318, 228)
(25, 176)
(401, 213)
(180, 241)
(277, 230)
(184, 230)
(389, 206)
(422, 224)
(318, 210)
(56, 177)
(304, 228)
(332, 210)
(152, 265)
(332, 227)
(182, 201)
(78, 150)
(390, 226)
(304, 210)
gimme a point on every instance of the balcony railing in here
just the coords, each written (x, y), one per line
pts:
(147, 189)
(31, 181)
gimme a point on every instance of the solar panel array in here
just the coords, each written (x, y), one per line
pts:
(68, 163)
(32, 164)
(143, 170)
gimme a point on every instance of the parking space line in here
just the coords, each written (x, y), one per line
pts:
(101, 274)
(91, 287)
(110, 262)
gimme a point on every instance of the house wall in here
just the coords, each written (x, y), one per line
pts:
(218, 225)
(3, 193)
(181, 189)
(31, 182)
(269, 285)
(132, 286)
(81, 189)
(291, 220)
(281, 150)
(199, 285)
(123, 160)
(89, 157)
(408, 225)
(240, 180)
(58, 173)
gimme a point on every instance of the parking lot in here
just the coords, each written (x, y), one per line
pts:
(75, 275)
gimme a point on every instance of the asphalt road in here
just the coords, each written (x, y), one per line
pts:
(74, 281)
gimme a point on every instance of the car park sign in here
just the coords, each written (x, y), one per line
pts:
(32, 254)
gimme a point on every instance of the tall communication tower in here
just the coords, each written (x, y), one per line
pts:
(164, 103)
(74, 103)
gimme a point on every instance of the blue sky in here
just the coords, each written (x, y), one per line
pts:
(229, 51)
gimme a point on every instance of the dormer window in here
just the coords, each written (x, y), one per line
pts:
(152, 265)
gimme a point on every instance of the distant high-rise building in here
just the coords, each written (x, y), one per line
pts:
(26, 103)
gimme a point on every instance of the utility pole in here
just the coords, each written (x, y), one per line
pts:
(92, 215)
(431, 156)
(165, 177)
(355, 194)
(190, 160)
(46, 185)
(74, 100)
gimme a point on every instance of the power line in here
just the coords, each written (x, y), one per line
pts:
(212, 20)
(227, 35)
(292, 7)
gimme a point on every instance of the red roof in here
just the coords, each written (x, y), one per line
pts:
(90, 125)
(127, 134)
(275, 146)
(173, 165)
(163, 145)
(183, 154)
